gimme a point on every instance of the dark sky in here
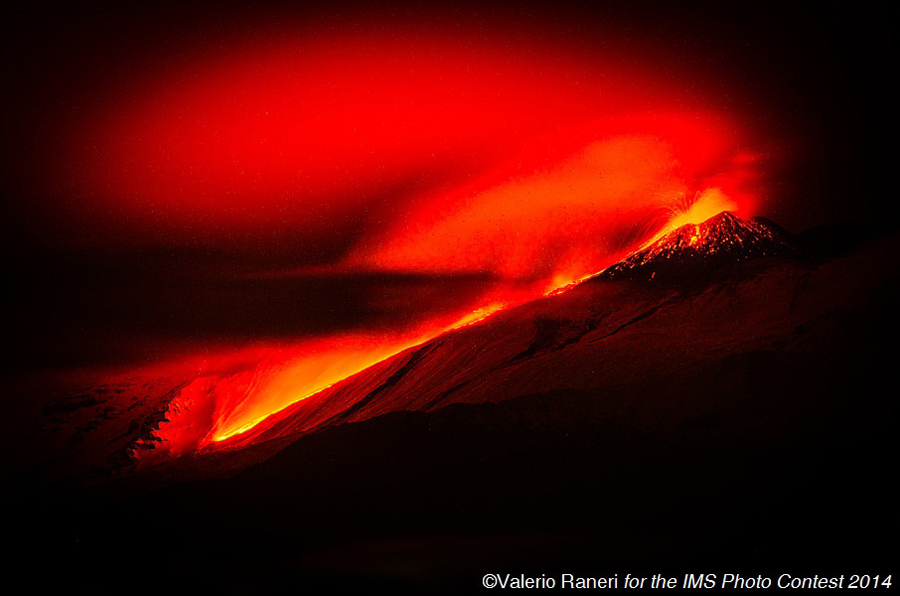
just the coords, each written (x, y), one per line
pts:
(93, 283)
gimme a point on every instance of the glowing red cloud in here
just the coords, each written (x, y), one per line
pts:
(307, 131)
(625, 177)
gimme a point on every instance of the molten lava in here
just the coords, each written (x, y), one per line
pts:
(707, 204)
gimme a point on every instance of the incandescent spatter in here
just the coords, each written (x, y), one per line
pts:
(696, 249)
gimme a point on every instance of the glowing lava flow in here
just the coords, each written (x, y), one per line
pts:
(370, 357)
(243, 400)
(351, 363)
(360, 359)
(230, 399)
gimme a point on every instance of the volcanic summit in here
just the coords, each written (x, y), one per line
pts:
(701, 249)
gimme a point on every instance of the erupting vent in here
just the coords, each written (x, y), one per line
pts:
(694, 249)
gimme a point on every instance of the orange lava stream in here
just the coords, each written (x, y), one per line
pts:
(270, 399)
(351, 361)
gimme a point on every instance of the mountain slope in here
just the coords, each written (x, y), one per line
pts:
(596, 338)
(741, 422)
(593, 337)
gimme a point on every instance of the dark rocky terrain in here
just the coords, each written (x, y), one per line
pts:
(720, 401)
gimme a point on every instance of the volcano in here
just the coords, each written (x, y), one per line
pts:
(417, 380)
(707, 398)
(706, 248)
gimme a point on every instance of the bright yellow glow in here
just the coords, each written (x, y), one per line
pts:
(709, 203)
(325, 369)
(477, 315)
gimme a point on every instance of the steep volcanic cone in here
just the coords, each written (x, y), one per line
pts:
(701, 249)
